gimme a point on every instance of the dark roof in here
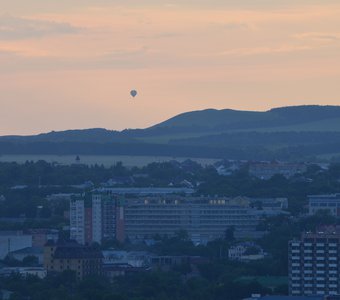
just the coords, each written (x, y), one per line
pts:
(29, 251)
(76, 252)
(70, 249)
(61, 242)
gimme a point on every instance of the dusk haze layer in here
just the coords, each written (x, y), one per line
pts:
(170, 149)
(72, 64)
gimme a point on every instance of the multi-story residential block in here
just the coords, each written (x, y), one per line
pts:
(330, 203)
(77, 219)
(97, 218)
(84, 260)
(92, 219)
(88, 225)
(314, 264)
(203, 218)
(120, 221)
(108, 217)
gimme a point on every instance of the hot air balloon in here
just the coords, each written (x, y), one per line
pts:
(133, 93)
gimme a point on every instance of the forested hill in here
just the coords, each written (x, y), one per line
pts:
(228, 119)
(296, 132)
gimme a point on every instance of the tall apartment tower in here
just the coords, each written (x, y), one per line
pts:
(108, 217)
(314, 264)
(96, 218)
(120, 221)
(77, 220)
(93, 219)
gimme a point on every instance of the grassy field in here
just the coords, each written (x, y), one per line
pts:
(106, 160)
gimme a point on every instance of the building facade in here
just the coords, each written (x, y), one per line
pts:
(77, 219)
(107, 217)
(330, 203)
(93, 218)
(203, 218)
(314, 264)
(97, 218)
(83, 260)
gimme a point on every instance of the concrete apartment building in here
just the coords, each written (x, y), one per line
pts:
(314, 264)
(92, 218)
(204, 218)
(97, 230)
(77, 219)
(330, 203)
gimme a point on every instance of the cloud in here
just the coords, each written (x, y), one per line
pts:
(14, 28)
(252, 51)
(20, 60)
(161, 35)
(232, 25)
(61, 6)
(318, 36)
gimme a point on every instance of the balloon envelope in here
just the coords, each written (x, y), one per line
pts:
(133, 93)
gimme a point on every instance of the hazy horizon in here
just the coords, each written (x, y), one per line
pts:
(132, 128)
(72, 64)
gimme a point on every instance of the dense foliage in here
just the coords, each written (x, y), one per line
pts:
(42, 178)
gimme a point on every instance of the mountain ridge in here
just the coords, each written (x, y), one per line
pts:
(310, 112)
(286, 132)
(202, 119)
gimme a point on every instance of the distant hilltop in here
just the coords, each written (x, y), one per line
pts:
(228, 119)
(293, 133)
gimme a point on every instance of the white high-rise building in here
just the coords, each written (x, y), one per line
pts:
(77, 220)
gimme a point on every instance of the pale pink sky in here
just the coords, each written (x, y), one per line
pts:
(71, 63)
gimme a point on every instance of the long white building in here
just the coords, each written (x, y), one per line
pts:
(106, 217)
(204, 218)
(330, 203)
